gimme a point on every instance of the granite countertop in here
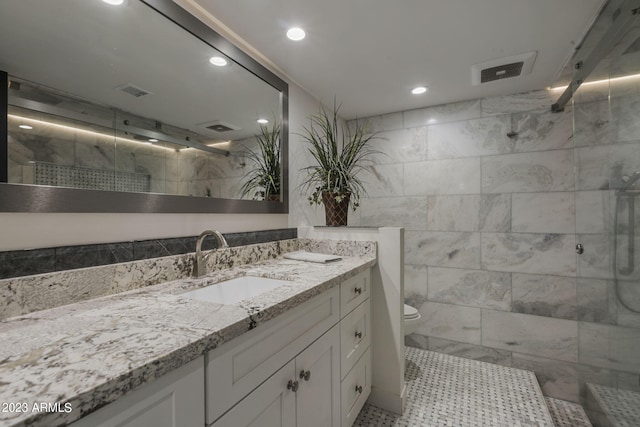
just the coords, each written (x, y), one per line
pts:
(90, 353)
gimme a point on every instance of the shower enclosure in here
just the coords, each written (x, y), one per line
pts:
(606, 112)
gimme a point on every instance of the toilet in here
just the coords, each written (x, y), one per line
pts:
(411, 319)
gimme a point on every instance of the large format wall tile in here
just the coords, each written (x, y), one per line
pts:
(470, 351)
(549, 296)
(443, 249)
(543, 212)
(591, 123)
(596, 300)
(457, 111)
(415, 281)
(529, 253)
(477, 288)
(534, 335)
(383, 180)
(380, 123)
(528, 172)
(592, 211)
(543, 131)
(408, 212)
(528, 101)
(400, 146)
(453, 213)
(458, 176)
(595, 261)
(470, 138)
(495, 212)
(611, 347)
(451, 322)
(593, 166)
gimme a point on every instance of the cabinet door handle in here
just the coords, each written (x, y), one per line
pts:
(358, 334)
(305, 375)
(358, 290)
(359, 389)
(292, 385)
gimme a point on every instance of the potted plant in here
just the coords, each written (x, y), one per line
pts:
(341, 154)
(262, 181)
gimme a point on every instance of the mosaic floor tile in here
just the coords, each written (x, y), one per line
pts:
(444, 390)
(567, 414)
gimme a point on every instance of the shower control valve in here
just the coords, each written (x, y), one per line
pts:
(579, 249)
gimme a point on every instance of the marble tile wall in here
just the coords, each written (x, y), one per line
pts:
(493, 222)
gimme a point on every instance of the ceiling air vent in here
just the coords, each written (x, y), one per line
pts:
(503, 68)
(219, 126)
(133, 90)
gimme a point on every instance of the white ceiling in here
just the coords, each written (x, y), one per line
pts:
(368, 54)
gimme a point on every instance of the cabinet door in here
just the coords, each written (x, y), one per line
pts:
(270, 405)
(318, 375)
(173, 400)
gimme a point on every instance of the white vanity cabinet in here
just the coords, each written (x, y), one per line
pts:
(308, 367)
(173, 400)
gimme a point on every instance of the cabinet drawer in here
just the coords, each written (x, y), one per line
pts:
(354, 291)
(238, 367)
(355, 336)
(356, 388)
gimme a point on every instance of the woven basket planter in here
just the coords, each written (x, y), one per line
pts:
(336, 213)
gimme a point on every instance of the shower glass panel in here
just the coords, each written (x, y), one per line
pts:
(606, 112)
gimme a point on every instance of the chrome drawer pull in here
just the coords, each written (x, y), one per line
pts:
(358, 334)
(359, 389)
(358, 290)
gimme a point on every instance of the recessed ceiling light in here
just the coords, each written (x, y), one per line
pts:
(296, 34)
(218, 61)
(114, 2)
(25, 127)
(153, 140)
(418, 90)
(262, 121)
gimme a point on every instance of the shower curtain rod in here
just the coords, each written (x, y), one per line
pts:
(624, 17)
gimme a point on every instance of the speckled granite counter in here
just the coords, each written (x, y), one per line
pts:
(90, 353)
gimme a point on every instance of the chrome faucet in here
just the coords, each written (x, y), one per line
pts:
(222, 243)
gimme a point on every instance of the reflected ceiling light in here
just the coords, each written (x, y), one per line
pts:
(25, 127)
(595, 82)
(114, 2)
(84, 131)
(419, 90)
(152, 140)
(218, 61)
(296, 34)
(262, 121)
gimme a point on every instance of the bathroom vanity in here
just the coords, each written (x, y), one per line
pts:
(295, 355)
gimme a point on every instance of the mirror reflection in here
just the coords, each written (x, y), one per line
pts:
(119, 98)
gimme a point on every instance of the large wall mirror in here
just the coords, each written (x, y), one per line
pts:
(135, 106)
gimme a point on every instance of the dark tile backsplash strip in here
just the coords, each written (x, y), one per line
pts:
(36, 261)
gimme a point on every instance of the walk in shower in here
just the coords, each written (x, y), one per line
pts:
(606, 113)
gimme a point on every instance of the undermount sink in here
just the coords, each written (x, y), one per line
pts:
(235, 290)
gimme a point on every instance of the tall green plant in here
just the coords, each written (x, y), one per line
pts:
(340, 154)
(263, 179)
